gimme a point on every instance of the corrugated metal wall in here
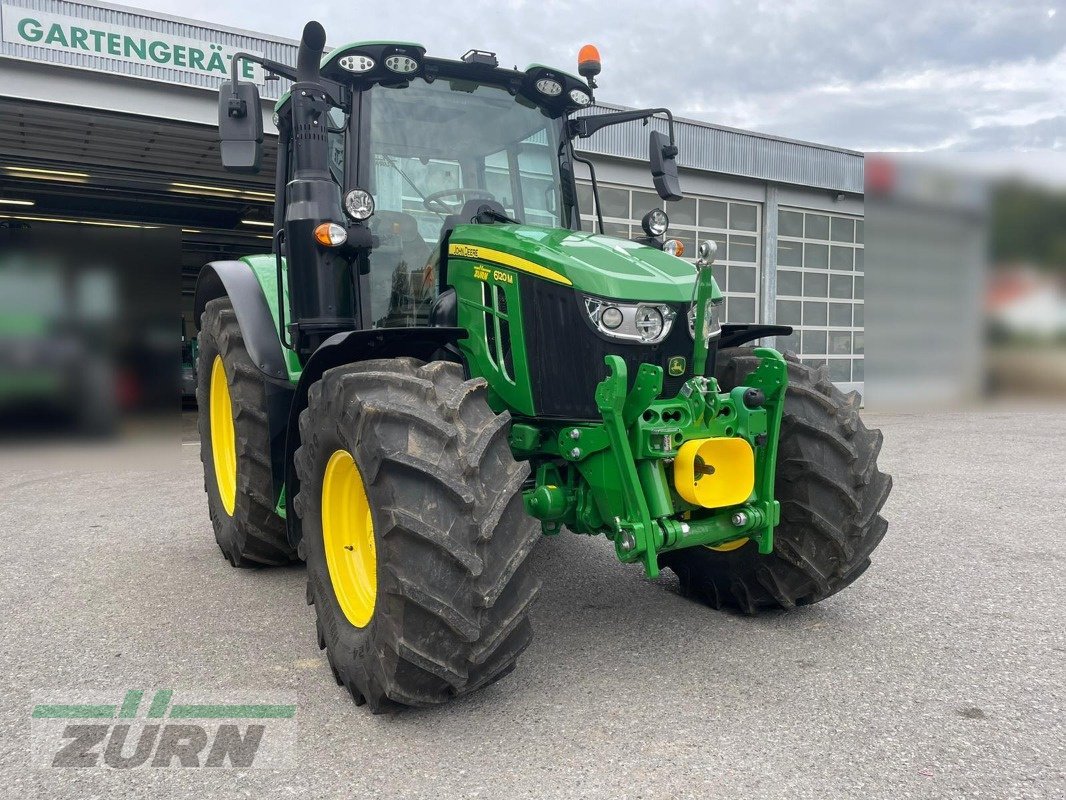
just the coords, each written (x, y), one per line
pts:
(702, 146)
(732, 152)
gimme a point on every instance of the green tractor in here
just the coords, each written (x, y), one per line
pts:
(436, 365)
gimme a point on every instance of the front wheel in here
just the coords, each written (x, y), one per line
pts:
(830, 491)
(415, 533)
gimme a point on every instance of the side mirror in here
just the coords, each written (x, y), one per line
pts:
(663, 166)
(240, 127)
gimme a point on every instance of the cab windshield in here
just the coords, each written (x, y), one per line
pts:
(438, 150)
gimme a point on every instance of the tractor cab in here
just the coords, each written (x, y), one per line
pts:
(414, 147)
(436, 155)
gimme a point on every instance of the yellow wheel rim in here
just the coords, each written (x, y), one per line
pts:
(725, 548)
(223, 439)
(348, 539)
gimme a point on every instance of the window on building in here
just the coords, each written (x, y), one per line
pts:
(820, 290)
(733, 225)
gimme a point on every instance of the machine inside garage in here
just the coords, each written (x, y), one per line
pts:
(92, 167)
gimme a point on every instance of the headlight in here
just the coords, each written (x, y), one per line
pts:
(359, 204)
(650, 323)
(549, 87)
(712, 320)
(356, 63)
(401, 64)
(655, 222)
(611, 317)
(579, 97)
(647, 323)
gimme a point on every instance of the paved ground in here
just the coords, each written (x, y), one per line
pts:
(940, 674)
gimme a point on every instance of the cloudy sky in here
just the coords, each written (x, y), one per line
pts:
(981, 78)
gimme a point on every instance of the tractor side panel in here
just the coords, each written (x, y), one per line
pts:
(489, 306)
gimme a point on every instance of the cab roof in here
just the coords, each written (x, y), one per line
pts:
(362, 65)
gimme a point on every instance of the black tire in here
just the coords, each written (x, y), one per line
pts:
(830, 491)
(253, 535)
(454, 585)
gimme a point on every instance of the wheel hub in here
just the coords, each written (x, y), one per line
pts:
(348, 539)
(223, 439)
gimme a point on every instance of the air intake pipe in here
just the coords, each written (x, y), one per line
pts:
(321, 292)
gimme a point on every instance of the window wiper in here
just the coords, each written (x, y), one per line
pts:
(487, 214)
(411, 183)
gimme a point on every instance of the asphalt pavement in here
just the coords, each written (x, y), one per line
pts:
(939, 674)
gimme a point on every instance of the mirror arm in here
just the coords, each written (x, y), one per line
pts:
(237, 107)
(272, 67)
(584, 127)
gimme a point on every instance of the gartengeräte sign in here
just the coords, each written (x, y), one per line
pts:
(121, 43)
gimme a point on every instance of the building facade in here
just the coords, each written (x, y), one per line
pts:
(108, 115)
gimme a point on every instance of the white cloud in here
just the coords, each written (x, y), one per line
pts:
(866, 74)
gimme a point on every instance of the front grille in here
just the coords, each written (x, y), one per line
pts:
(565, 353)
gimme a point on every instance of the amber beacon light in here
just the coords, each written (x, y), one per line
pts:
(588, 63)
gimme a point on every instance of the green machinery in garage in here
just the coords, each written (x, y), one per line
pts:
(436, 365)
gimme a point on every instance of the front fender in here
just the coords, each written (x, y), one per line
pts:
(348, 348)
(736, 335)
(238, 281)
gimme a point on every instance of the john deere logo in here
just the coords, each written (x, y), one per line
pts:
(676, 366)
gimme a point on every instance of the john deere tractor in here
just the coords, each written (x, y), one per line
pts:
(436, 365)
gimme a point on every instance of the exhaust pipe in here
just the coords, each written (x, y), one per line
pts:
(321, 293)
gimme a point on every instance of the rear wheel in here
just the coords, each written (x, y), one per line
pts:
(414, 531)
(235, 445)
(830, 491)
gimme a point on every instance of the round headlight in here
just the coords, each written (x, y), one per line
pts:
(611, 317)
(579, 97)
(549, 87)
(649, 322)
(655, 222)
(358, 204)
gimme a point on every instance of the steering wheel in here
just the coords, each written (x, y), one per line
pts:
(435, 204)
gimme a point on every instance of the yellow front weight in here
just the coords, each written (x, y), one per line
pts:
(715, 473)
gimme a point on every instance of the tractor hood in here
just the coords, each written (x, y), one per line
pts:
(598, 265)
